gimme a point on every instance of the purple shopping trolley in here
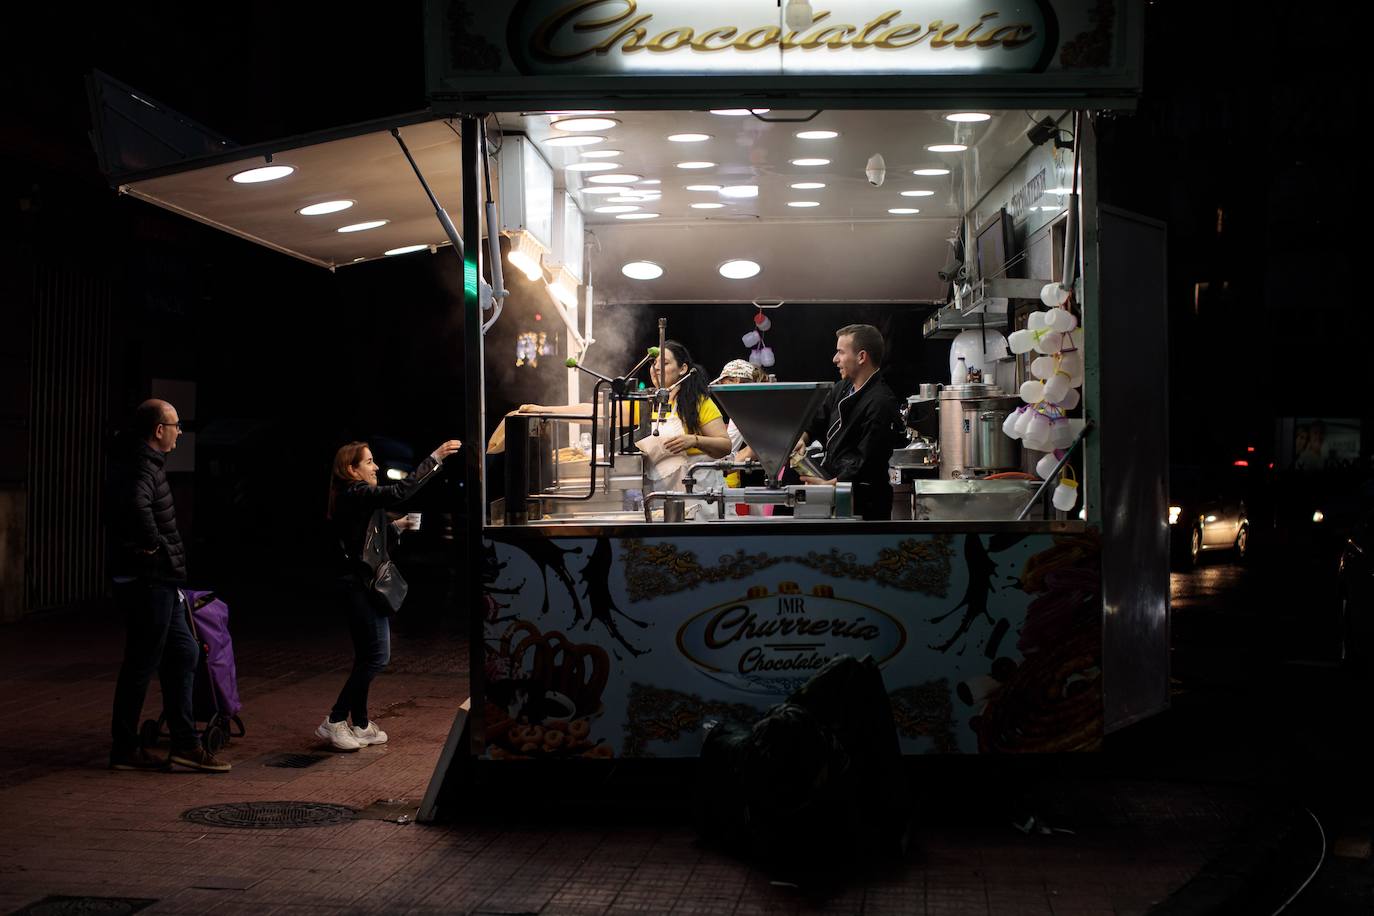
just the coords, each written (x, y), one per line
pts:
(215, 698)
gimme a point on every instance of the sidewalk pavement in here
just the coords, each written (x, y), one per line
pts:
(71, 827)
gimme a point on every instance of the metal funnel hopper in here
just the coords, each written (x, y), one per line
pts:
(771, 416)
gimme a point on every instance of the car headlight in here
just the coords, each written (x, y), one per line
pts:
(1318, 517)
(1174, 513)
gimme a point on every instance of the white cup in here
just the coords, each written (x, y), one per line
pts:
(413, 520)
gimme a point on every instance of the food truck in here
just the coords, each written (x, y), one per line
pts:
(653, 155)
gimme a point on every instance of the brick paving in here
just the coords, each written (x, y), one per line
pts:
(70, 826)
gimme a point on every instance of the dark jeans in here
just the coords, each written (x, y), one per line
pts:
(371, 634)
(158, 639)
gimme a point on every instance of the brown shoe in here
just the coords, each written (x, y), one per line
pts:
(138, 759)
(198, 758)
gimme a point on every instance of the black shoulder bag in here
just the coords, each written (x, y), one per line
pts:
(387, 587)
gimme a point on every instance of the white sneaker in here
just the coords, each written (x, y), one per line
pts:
(339, 735)
(370, 735)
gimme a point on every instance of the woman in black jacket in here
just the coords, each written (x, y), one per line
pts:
(354, 501)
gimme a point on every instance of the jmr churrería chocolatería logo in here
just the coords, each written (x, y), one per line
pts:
(773, 641)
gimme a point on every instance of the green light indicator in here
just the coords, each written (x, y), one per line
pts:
(470, 278)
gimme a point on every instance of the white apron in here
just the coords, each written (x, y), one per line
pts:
(663, 471)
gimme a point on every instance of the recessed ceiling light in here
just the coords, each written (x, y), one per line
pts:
(903, 211)
(361, 227)
(688, 138)
(739, 112)
(591, 166)
(740, 190)
(803, 203)
(605, 190)
(601, 153)
(696, 165)
(642, 270)
(580, 124)
(929, 172)
(638, 216)
(702, 187)
(625, 209)
(405, 249)
(574, 141)
(810, 161)
(707, 206)
(808, 185)
(739, 270)
(971, 117)
(619, 178)
(624, 200)
(947, 148)
(918, 193)
(817, 134)
(263, 173)
(576, 114)
(650, 181)
(328, 206)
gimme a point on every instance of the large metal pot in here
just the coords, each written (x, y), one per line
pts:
(972, 443)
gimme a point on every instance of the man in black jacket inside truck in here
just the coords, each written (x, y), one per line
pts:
(859, 423)
(148, 565)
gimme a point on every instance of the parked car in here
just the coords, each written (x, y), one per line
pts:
(1206, 514)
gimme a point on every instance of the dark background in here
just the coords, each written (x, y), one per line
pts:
(1244, 148)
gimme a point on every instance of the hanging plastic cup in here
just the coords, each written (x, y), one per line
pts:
(1049, 342)
(1042, 367)
(1032, 391)
(1071, 363)
(1061, 320)
(762, 322)
(1036, 321)
(1066, 494)
(1022, 341)
(1061, 434)
(1012, 424)
(1045, 466)
(766, 357)
(755, 357)
(1038, 434)
(752, 339)
(1070, 399)
(1056, 386)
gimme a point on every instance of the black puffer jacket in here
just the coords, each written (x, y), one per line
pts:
(144, 539)
(860, 429)
(355, 504)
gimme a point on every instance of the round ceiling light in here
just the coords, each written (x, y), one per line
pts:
(968, 117)
(362, 227)
(618, 178)
(688, 138)
(918, 193)
(808, 185)
(650, 181)
(903, 211)
(624, 200)
(696, 165)
(810, 161)
(405, 249)
(947, 148)
(638, 216)
(605, 190)
(739, 269)
(739, 112)
(574, 141)
(601, 154)
(740, 190)
(803, 203)
(817, 134)
(591, 166)
(581, 124)
(707, 206)
(619, 209)
(642, 270)
(263, 173)
(929, 173)
(702, 187)
(328, 206)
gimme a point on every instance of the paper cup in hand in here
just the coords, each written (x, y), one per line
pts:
(413, 520)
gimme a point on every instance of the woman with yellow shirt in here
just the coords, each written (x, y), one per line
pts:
(691, 429)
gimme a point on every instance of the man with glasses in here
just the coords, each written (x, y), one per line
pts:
(148, 563)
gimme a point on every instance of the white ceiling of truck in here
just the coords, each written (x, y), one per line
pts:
(844, 246)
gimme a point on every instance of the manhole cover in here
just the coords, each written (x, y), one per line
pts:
(272, 815)
(294, 761)
(84, 906)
